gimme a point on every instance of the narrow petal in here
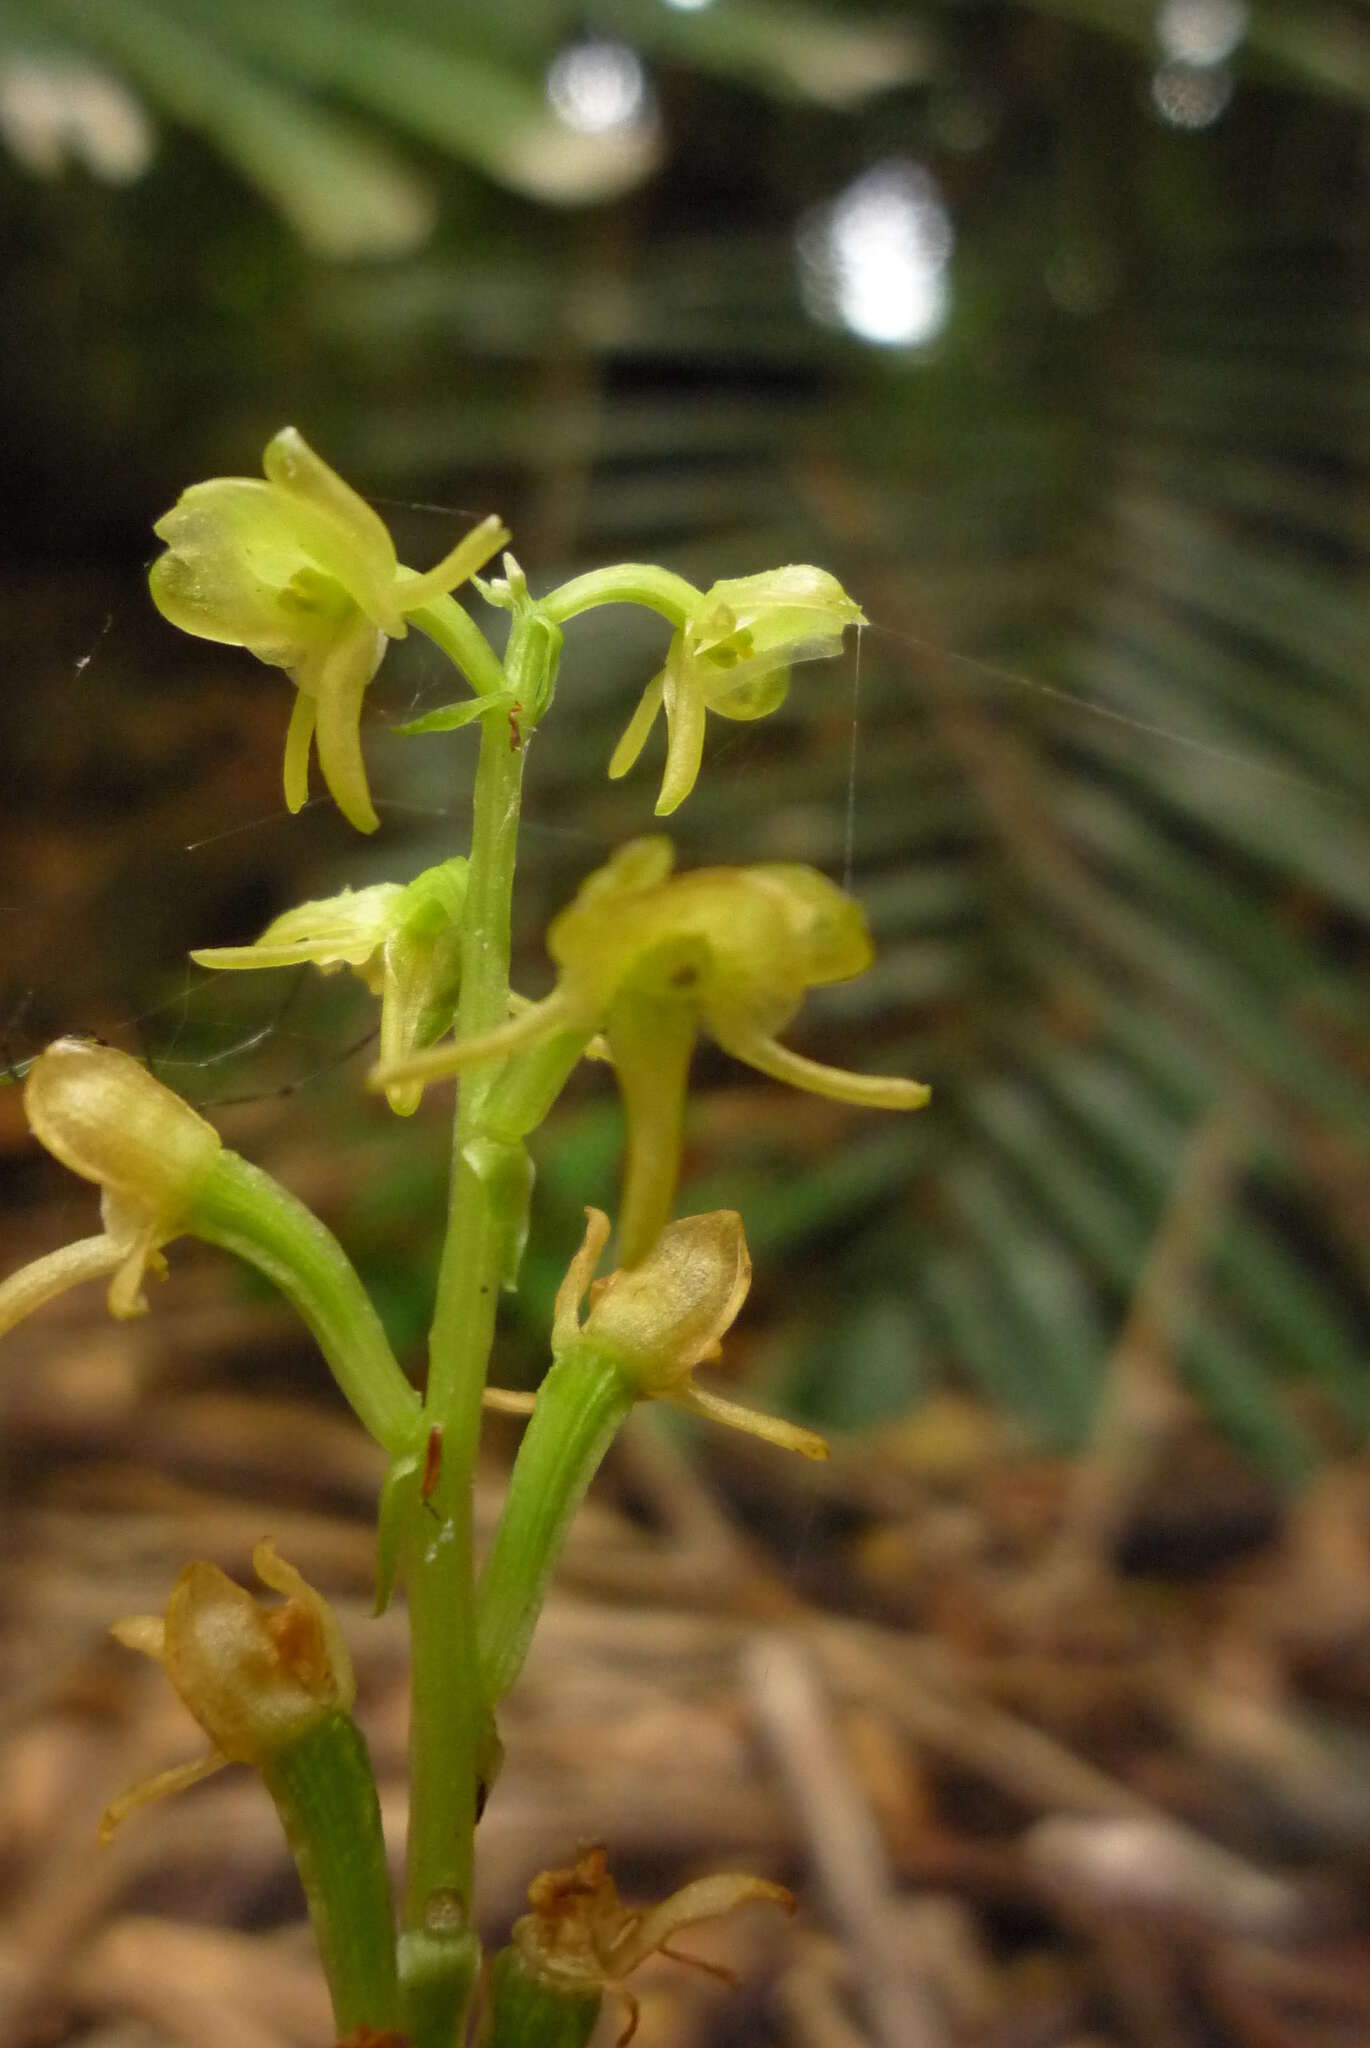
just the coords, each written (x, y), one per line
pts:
(299, 739)
(684, 700)
(579, 1274)
(145, 1633)
(180, 1779)
(706, 1899)
(529, 1027)
(470, 554)
(508, 1401)
(773, 1429)
(639, 726)
(126, 1296)
(349, 668)
(46, 1278)
(868, 1091)
(282, 1577)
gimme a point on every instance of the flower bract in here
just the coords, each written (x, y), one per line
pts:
(651, 959)
(403, 940)
(103, 1115)
(298, 569)
(733, 655)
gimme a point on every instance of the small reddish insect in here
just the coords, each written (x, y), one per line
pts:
(432, 1463)
(515, 733)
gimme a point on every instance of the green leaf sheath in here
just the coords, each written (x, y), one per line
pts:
(245, 1211)
(582, 1403)
(325, 1794)
(525, 2013)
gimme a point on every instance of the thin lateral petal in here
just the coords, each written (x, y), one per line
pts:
(638, 728)
(126, 1296)
(773, 1429)
(299, 739)
(579, 1274)
(867, 1091)
(145, 1633)
(507, 1401)
(532, 1025)
(471, 553)
(708, 1898)
(90, 1258)
(180, 1779)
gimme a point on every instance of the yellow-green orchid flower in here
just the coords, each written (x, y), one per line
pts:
(256, 1678)
(660, 1319)
(404, 940)
(105, 1117)
(297, 568)
(651, 959)
(733, 655)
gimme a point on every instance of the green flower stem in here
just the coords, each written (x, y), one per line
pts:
(438, 1969)
(625, 583)
(325, 1794)
(452, 629)
(581, 1405)
(449, 1735)
(525, 2013)
(245, 1211)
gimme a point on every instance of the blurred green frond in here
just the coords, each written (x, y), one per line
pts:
(258, 80)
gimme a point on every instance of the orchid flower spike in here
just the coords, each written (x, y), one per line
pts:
(733, 655)
(652, 959)
(661, 1319)
(104, 1116)
(297, 568)
(403, 940)
(578, 1936)
(256, 1678)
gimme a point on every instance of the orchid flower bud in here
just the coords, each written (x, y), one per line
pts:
(733, 655)
(404, 941)
(658, 1320)
(103, 1115)
(651, 959)
(256, 1678)
(298, 569)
